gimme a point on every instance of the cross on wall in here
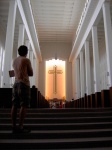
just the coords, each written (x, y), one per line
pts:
(55, 72)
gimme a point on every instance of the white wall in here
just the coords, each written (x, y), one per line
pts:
(48, 51)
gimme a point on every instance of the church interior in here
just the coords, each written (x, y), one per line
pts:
(70, 48)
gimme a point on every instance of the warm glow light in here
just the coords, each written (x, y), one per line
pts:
(59, 78)
(55, 62)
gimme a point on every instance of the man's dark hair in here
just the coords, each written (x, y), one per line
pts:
(22, 50)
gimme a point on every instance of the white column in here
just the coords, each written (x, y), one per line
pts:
(108, 39)
(21, 35)
(34, 71)
(82, 73)
(87, 64)
(1, 62)
(37, 73)
(31, 59)
(77, 79)
(96, 60)
(27, 43)
(73, 79)
(9, 43)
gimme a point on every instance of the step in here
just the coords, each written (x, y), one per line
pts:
(61, 126)
(59, 129)
(56, 143)
(62, 120)
(100, 148)
(57, 110)
(50, 134)
(60, 114)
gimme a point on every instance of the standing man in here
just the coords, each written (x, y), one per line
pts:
(21, 89)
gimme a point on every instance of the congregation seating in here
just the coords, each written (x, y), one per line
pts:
(37, 99)
(5, 97)
(100, 99)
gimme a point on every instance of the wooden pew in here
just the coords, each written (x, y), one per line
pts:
(5, 97)
(37, 100)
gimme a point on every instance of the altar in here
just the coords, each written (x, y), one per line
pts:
(55, 81)
(57, 103)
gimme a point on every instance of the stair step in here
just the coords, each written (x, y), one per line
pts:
(57, 143)
(37, 134)
(100, 148)
(54, 140)
(64, 131)
(62, 120)
(60, 126)
(81, 129)
(58, 110)
(61, 114)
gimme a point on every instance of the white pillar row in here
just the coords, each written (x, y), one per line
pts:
(108, 39)
(96, 60)
(73, 79)
(82, 74)
(77, 79)
(9, 43)
(31, 59)
(34, 71)
(37, 73)
(27, 43)
(87, 64)
(21, 34)
(1, 62)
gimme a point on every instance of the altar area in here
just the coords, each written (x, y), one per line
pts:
(55, 85)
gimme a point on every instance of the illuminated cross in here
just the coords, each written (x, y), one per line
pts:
(55, 72)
